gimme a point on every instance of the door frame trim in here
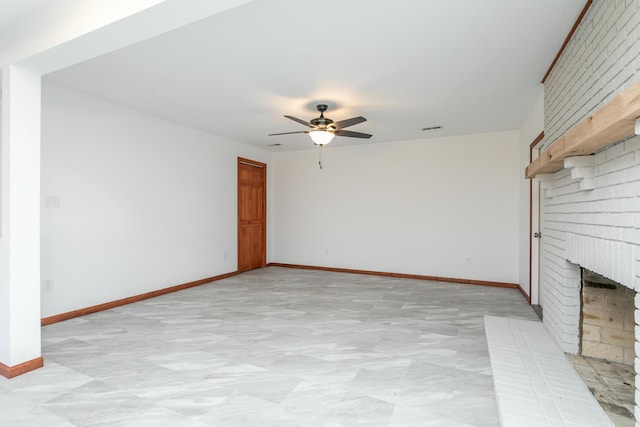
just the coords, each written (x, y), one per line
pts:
(532, 147)
(263, 250)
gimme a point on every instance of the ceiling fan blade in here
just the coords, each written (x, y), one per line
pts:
(288, 133)
(302, 122)
(349, 122)
(352, 134)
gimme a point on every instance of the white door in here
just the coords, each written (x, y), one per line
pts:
(535, 235)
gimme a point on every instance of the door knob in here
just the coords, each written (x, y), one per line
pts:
(537, 235)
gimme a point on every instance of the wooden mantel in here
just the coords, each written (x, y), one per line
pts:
(611, 123)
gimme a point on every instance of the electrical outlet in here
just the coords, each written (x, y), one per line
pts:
(226, 255)
(52, 202)
(47, 285)
(468, 259)
(326, 251)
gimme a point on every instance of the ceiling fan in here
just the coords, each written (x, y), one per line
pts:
(322, 129)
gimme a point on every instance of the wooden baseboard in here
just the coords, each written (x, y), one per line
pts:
(109, 305)
(524, 294)
(22, 368)
(117, 303)
(401, 275)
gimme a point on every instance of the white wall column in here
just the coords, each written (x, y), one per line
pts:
(20, 347)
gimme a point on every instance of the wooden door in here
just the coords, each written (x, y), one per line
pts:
(252, 212)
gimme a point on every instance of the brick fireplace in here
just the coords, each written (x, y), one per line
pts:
(594, 228)
(590, 202)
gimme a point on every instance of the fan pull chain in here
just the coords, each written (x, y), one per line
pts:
(320, 157)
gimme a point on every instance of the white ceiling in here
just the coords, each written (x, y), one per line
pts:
(471, 66)
(12, 10)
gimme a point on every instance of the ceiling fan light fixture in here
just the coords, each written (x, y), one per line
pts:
(321, 137)
(322, 129)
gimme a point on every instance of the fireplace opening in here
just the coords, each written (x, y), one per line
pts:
(607, 321)
(606, 359)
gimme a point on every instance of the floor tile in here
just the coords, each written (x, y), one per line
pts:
(273, 347)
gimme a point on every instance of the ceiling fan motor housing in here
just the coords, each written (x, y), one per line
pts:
(321, 122)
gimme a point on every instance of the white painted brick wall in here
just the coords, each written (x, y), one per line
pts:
(602, 59)
(597, 228)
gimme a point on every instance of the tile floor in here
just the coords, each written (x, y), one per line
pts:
(273, 347)
(613, 385)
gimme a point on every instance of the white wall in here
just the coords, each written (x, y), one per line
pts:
(417, 207)
(20, 219)
(144, 203)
